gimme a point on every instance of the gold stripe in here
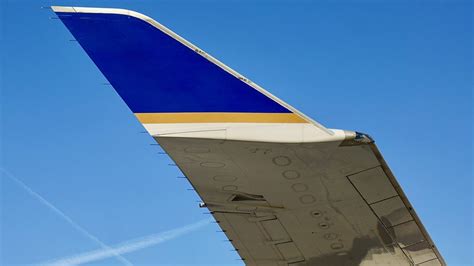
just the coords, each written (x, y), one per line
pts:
(152, 118)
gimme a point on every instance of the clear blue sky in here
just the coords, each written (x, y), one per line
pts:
(398, 70)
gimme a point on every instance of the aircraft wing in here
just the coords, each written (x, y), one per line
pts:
(283, 188)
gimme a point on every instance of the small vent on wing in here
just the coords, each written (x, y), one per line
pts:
(247, 197)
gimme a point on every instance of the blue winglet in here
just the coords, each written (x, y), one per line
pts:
(155, 73)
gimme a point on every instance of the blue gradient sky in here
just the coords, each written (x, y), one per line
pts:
(398, 70)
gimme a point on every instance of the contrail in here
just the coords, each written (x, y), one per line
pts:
(126, 247)
(67, 218)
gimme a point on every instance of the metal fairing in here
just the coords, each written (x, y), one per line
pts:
(283, 188)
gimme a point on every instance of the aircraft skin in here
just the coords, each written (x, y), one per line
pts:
(284, 189)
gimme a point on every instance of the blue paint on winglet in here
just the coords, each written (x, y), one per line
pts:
(154, 73)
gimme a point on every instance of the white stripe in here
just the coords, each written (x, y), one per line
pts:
(67, 218)
(127, 247)
(264, 132)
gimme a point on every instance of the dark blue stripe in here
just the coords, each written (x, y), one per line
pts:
(154, 73)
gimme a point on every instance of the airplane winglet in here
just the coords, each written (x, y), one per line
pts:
(156, 71)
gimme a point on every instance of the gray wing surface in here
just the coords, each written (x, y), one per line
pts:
(330, 203)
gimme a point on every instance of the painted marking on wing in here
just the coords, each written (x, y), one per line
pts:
(157, 118)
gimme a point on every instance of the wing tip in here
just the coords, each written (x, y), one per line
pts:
(61, 9)
(125, 12)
